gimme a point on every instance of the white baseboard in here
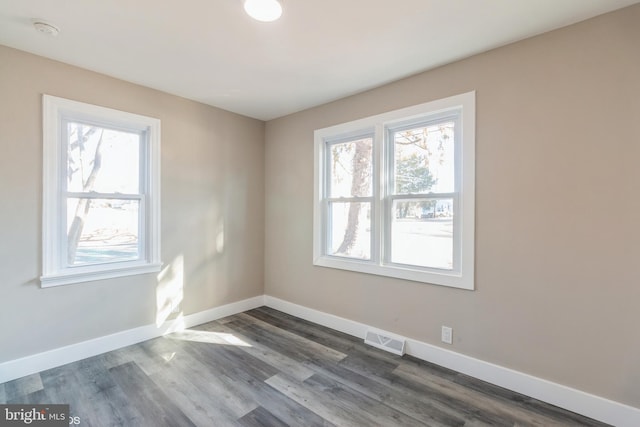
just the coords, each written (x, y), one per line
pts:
(589, 405)
(61, 356)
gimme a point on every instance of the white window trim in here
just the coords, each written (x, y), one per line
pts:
(464, 277)
(53, 271)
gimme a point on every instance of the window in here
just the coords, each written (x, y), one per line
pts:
(394, 193)
(101, 193)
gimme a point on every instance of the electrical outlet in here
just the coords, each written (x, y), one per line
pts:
(447, 335)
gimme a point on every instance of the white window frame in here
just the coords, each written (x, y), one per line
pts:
(462, 107)
(55, 271)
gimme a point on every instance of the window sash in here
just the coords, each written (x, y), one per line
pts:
(431, 120)
(391, 195)
(330, 229)
(456, 237)
(142, 221)
(326, 243)
(342, 139)
(144, 152)
(94, 195)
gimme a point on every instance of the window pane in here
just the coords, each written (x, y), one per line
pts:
(422, 233)
(350, 230)
(350, 168)
(424, 159)
(100, 230)
(102, 160)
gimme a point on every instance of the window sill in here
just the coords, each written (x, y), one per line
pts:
(442, 278)
(75, 276)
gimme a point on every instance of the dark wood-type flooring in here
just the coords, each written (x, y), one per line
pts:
(266, 368)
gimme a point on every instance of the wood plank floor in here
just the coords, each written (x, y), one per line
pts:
(266, 368)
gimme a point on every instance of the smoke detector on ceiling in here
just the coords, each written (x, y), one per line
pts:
(46, 28)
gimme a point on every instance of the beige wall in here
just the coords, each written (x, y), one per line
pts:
(212, 186)
(557, 201)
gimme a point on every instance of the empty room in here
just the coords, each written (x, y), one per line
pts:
(320, 213)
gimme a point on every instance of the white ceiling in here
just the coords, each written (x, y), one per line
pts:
(319, 51)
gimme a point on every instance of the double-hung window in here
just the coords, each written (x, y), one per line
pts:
(101, 193)
(394, 193)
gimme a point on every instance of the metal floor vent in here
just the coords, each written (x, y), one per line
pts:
(385, 341)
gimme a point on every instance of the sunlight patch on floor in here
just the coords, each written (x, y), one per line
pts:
(208, 337)
(168, 357)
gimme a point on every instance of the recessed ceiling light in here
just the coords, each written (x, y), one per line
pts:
(46, 28)
(263, 10)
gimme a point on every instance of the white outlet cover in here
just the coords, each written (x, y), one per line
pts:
(447, 335)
